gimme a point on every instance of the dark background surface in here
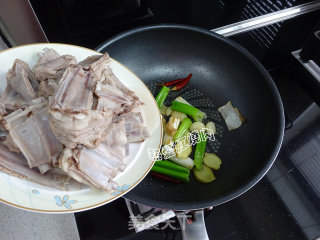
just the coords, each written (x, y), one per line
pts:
(89, 23)
(285, 203)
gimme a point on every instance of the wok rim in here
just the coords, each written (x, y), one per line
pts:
(182, 206)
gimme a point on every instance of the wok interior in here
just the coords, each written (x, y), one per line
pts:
(222, 73)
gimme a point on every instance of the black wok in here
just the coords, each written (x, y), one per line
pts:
(222, 71)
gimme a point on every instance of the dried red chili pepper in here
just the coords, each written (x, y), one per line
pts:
(164, 177)
(167, 84)
(182, 83)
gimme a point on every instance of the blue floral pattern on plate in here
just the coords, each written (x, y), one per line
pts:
(64, 201)
(35, 191)
(120, 190)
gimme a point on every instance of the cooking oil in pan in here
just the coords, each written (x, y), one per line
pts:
(197, 99)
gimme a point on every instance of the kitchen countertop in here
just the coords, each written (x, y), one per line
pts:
(16, 224)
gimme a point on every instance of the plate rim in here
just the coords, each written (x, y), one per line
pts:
(114, 197)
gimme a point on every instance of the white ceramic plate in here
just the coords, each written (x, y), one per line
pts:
(30, 196)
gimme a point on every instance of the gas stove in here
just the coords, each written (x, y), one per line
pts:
(285, 204)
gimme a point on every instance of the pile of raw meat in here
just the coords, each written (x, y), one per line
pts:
(69, 116)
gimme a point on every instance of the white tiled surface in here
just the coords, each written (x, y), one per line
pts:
(16, 224)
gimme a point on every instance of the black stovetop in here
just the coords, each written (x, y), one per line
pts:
(285, 204)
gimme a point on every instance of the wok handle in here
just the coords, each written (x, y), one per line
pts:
(195, 230)
(288, 122)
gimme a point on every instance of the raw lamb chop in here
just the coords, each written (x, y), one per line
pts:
(94, 167)
(89, 60)
(112, 99)
(21, 87)
(22, 80)
(116, 135)
(48, 88)
(105, 75)
(73, 120)
(16, 165)
(12, 100)
(89, 131)
(75, 91)
(9, 143)
(135, 129)
(117, 139)
(83, 123)
(31, 133)
(52, 65)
